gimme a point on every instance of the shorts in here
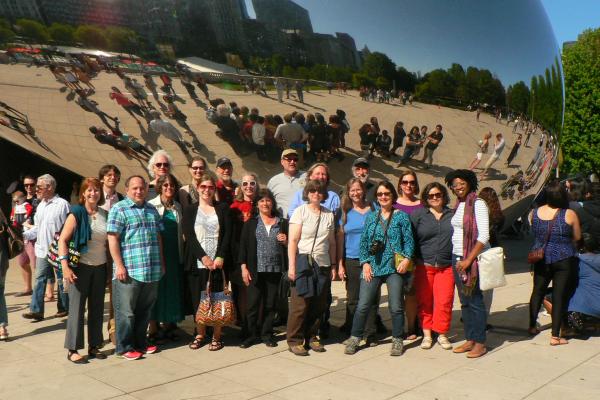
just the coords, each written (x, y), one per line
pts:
(27, 256)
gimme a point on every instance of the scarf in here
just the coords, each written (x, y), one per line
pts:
(469, 241)
(193, 193)
(83, 233)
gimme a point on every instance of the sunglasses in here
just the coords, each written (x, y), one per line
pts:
(162, 165)
(412, 183)
(198, 168)
(314, 191)
(250, 183)
(168, 185)
(207, 187)
(432, 196)
(29, 184)
(384, 194)
(40, 187)
(291, 159)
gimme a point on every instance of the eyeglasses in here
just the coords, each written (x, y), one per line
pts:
(412, 183)
(207, 187)
(251, 183)
(196, 168)
(165, 185)
(314, 191)
(40, 187)
(384, 194)
(432, 196)
(162, 165)
(29, 184)
(291, 159)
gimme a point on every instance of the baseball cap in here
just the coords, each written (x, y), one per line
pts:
(288, 152)
(222, 161)
(361, 161)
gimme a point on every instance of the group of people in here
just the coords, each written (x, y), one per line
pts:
(161, 244)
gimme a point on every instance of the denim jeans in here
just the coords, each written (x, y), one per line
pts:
(474, 314)
(43, 273)
(3, 309)
(368, 295)
(133, 301)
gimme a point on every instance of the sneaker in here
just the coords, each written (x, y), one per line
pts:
(299, 350)
(315, 345)
(444, 342)
(397, 347)
(150, 349)
(131, 355)
(427, 343)
(352, 345)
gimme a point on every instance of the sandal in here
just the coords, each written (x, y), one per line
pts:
(197, 343)
(533, 331)
(81, 360)
(94, 352)
(216, 345)
(558, 341)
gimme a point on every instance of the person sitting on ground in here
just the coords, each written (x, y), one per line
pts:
(585, 303)
(383, 143)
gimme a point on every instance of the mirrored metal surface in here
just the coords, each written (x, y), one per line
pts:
(488, 72)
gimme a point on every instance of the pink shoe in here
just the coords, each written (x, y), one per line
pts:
(131, 355)
(151, 349)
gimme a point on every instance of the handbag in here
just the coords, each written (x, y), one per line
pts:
(73, 255)
(216, 308)
(491, 268)
(14, 238)
(398, 259)
(536, 255)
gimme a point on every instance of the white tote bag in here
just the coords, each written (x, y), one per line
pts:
(491, 268)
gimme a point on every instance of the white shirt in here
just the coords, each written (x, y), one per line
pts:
(49, 219)
(166, 129)
(482, 220)
(258, 134)
(309, 221)
(96, 248)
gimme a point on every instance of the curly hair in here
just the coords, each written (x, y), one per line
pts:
(490, 197)
(464, 174)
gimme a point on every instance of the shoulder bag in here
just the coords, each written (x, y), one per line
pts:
(536, 255)
(305, 267)
(491, 268)
(73, 255)
(216, 308)
(13, 237)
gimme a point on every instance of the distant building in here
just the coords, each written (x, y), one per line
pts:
(350, 53)
(225, 19)
(77, 12)
(15, 9)
(283, 15)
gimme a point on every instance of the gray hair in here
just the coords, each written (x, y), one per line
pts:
(152, 160)
(223, 110)
(48, 180)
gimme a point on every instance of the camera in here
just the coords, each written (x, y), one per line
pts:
(376, 247)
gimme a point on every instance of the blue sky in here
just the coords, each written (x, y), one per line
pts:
(512, 38)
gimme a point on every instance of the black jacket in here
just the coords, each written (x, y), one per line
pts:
(433, 237)
(589, 217)
(193, 251)
(247, 254)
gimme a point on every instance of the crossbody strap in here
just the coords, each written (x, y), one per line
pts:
(550, 226)
(385, 230)
(316, 232)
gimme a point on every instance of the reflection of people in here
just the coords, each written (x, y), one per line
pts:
(481, 150)
(515, 149)
(498, 148)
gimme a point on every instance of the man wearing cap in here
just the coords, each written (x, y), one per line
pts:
(226, 186)
(360, 170)
(284, 185)
(291, 135)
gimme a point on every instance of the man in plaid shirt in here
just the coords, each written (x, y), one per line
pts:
(134, 237)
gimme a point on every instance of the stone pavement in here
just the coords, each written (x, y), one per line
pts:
(34, 364)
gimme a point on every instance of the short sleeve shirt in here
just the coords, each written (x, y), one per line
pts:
(138, 228)
(309, 220)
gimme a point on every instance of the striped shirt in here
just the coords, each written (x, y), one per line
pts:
(138, 228)
(49, 218)
(483, 226)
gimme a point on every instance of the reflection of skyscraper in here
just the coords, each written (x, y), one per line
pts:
(225, 18)
(14, 9)
(283, 15)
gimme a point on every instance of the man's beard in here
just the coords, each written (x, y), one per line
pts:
(363, 179)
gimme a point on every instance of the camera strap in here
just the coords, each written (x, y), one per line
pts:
(387, 226)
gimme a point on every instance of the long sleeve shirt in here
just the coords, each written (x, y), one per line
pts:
(483, 226)
(49, 219)
(399, 240)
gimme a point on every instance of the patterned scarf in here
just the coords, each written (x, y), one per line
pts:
(469, 241)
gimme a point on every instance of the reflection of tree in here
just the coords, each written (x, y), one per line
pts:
(471, 86)
(545, 104)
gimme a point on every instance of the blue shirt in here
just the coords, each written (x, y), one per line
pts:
(138, 228)
(355, 223)
(399, 240)
(332, 203)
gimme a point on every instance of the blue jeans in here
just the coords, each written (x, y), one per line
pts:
(3, 309)
(133, 302)
(368, 295)
(474, 314)
(43, 273)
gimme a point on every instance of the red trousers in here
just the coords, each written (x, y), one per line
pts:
(435, 295)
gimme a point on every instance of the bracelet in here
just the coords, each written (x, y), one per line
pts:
(60, 258)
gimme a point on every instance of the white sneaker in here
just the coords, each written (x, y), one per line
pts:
(427, 343)
(444, 342)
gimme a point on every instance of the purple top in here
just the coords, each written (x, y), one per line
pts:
(408, 209)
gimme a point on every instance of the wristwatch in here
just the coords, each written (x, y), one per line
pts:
(60, 258)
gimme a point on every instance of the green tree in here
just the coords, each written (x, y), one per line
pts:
(32, 30)
(62, 33)
(580, 138)
(276, 64)
(288, 72)
(6, 35)
(303, 73)
(5, 24)
(122, 39)
(378, 65)
(360, 79)
(518, 97)
(406, 80)
(92, 36)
